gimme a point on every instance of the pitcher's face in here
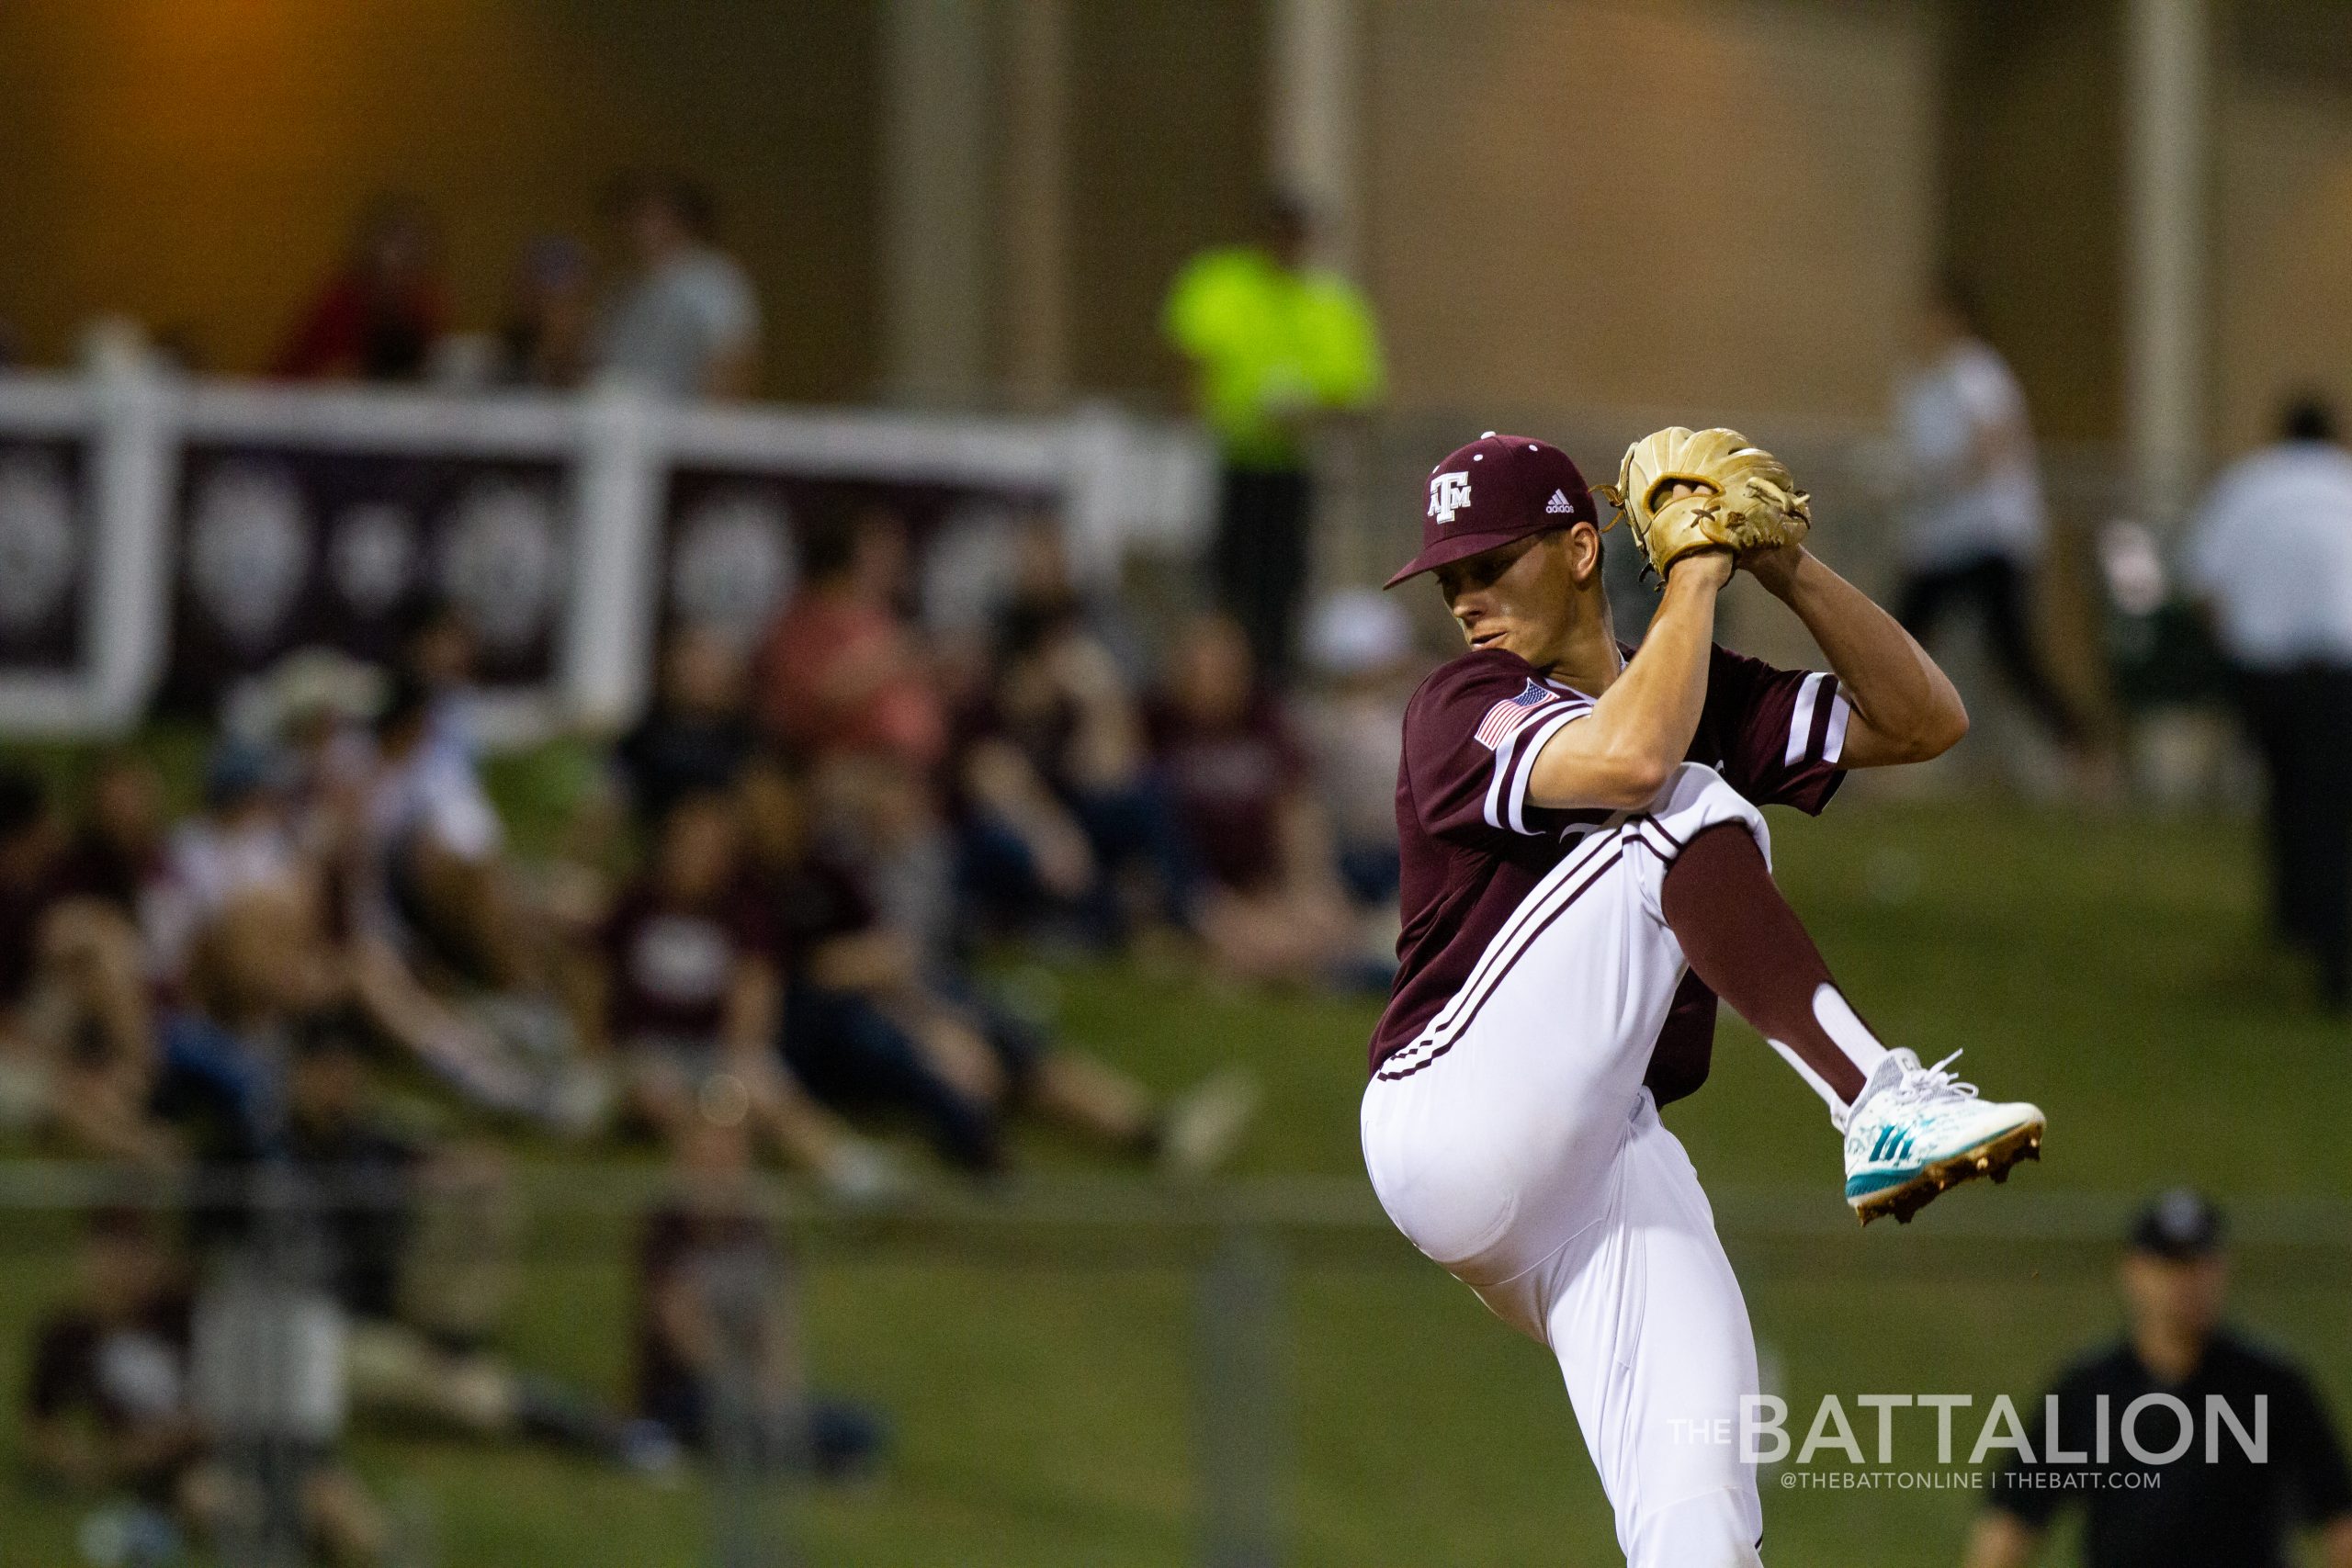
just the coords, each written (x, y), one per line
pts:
(1524, 596)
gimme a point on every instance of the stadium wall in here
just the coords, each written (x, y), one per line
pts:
(2284, 214)
(1786, 150)
(198, 166)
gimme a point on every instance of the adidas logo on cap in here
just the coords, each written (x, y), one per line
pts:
(1559, 502)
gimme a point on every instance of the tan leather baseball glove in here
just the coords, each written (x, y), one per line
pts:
(1745, 497)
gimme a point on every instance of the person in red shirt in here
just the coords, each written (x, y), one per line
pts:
(378, 316)
(841, 669)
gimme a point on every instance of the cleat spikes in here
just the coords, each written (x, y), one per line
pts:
(1993, 1159)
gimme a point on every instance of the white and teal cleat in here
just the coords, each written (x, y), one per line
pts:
(1915, 1131)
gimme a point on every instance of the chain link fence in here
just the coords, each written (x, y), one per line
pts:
(288, 1356)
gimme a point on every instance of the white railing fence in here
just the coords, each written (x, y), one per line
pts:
(162, 538)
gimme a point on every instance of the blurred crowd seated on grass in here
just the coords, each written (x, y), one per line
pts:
(766, 924)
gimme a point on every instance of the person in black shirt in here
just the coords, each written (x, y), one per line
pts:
(2212, 1503)
(696, 738)
(718, 1341)
(107, 1401)
(411, 1242)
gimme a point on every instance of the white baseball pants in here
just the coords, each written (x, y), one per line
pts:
(1513, 1143)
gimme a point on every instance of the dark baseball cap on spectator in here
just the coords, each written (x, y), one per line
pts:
(2180, 1224)
(328, 1032)
(23, 802)
(236, 770)
(119, 1222)
(407, 701)
(1497, 489)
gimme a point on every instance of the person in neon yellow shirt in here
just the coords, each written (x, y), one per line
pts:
(1275, 343)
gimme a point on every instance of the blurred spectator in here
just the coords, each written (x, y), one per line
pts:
(76, 1044)
(117, 854)
(258, 964)
(438, 913)
(378, 318)
(295, 802)
(882, 817)
(549, 336)
(1058, 811)
(241, 838)
(1239, 782)
(416, 1242)
(1976, 519)
(1045, 590)
(697, 736)
(119, 857)
(1361, 646)
(2270, 556)
(2212, 1503)
(694, 1001)
(875, 1020)
(1058, 806)
(718, 1358)
(434, 841)
(240, 841)
(437, 651)
(839, 1036)
(1275, 343)
(112, 1407)
(106, 1403)
(841, 669)
(686, 324)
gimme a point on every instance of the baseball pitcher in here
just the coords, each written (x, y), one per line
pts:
(1585, 870)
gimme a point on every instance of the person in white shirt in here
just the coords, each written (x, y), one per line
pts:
(687, 325)
(244, 841)
(433, 843)
(2270, 556)
(1975, 521)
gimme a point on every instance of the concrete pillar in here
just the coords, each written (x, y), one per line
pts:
(2167, 50)
(1313, 54)
(936, 172)
(1036, 202)
(1314, 51)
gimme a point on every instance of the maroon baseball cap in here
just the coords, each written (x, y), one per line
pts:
(1497, 489)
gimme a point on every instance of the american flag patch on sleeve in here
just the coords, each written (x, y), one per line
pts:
(1504, 718)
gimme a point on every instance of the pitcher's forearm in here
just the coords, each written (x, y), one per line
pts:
(1907, 708)
(1638, 732)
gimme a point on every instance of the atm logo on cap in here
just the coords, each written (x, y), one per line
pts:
(1449, 494)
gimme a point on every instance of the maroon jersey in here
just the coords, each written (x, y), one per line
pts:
(673, 963)
(1475, 845)
(1230, 783)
